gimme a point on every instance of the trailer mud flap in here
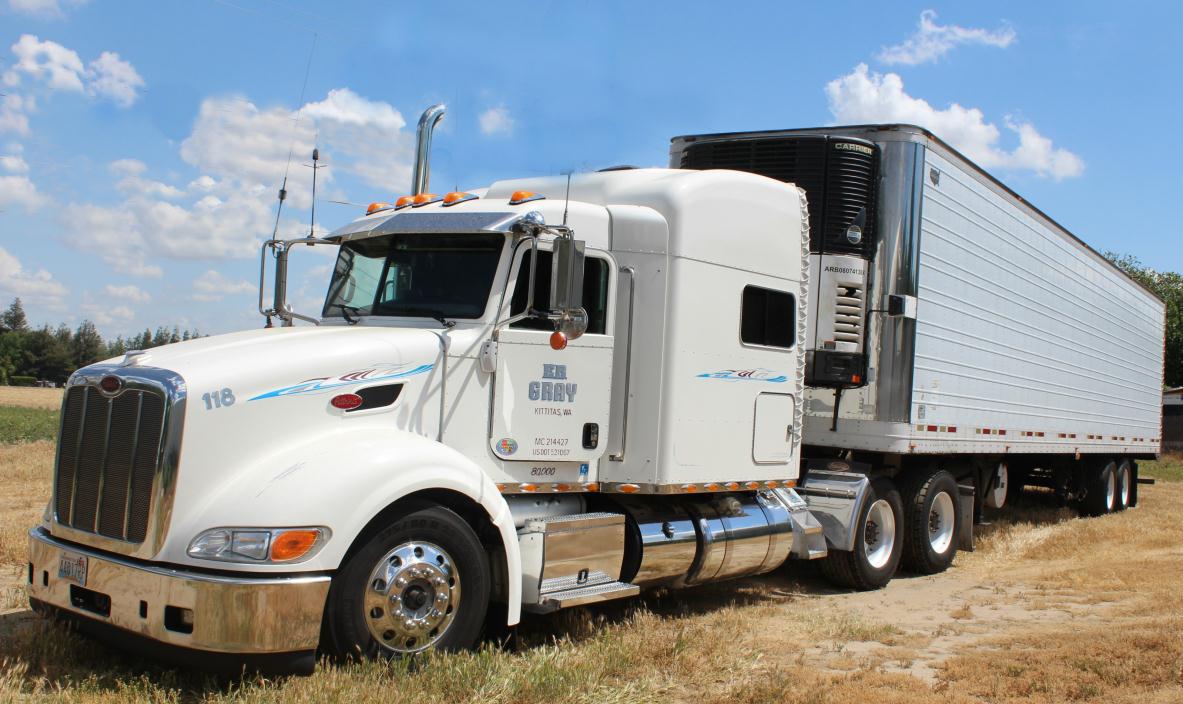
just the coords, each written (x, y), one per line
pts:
(965, 518)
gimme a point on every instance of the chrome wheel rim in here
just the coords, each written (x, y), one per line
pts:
(941, 519)
(1123, 483)
(411, 597)
(1110, 487)
(879, 534)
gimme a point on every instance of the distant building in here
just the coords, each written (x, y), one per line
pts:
(1172, 420)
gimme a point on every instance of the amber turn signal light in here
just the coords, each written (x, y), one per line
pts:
(293, 544)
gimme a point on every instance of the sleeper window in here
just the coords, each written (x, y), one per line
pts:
(768, 317)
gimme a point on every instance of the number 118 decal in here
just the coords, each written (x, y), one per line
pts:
(218, 399)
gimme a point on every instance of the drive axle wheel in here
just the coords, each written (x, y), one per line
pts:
(930, 515)
(876, 553)
(422, 583)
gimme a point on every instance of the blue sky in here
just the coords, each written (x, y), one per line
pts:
(141, 143)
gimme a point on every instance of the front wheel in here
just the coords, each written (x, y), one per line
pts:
(876, 554)
(422, 583)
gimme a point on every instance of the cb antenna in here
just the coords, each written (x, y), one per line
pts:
(567, 198)
(315, 167)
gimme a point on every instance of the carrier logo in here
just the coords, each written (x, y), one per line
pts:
(553, 386)
(379, 372)
(746, 375)
(844, 270)
(507, 446)
(848, 147)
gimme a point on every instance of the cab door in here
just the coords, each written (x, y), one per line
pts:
(551, 406)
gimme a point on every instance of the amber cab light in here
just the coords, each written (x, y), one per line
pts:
(404, 202)
(375, 207)
(346, 402)
(558, 341)
(458, 197)
(293, 544)
(423, 199)
(520, 197)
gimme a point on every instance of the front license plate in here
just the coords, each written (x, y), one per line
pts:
(72, 568)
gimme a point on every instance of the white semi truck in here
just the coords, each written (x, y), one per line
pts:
(829, 344)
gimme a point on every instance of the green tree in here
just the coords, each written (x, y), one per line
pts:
(1168, 286)
(14, 318)
(47, 355)
(88, 344)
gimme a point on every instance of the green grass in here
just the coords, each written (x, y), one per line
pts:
(1168, 468)
(27, 424)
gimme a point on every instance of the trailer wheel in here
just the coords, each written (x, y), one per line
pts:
(1123, 480)
(1100, 488)
(422, 583)
(876, 554)
(930, 520)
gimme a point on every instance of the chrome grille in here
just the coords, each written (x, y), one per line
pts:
(108, 456)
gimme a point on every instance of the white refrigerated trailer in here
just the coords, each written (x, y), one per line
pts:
(554, 392)
(955, 326)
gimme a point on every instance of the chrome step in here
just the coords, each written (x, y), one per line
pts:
(585, 595)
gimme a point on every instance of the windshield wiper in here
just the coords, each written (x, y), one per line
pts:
(346, 310)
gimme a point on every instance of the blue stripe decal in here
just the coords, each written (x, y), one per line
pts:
(312, 386)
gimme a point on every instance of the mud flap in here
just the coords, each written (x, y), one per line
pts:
(965, 517)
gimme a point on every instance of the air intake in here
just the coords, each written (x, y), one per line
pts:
(837, 173)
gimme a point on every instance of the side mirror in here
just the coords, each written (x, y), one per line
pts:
(566, 290)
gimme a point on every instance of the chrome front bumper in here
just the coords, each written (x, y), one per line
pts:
(226, 614)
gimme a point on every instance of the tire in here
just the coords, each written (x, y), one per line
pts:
(1100, 488)
(871, 565)
(930, 521)
(440, 562)
(1123, 481)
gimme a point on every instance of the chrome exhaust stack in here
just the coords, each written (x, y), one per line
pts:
(427, 122)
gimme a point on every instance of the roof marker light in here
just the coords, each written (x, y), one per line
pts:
(403, 202)
(520, 197)
(375, 207)
(423, 199)
(458, 197)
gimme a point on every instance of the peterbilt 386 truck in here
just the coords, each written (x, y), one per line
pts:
(834, 344)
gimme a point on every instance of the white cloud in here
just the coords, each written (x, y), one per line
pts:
(60, 68)
(932, 41)
(14, 113)
(496, 121)
(862, 96)
(32, 286)
(111, 77)
(103, 313)
(130, 292)
(43, 9)
(15, 186)
(213, 286)
(127, 167)
(112, 233)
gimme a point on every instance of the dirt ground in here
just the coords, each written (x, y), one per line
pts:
(1049, 608)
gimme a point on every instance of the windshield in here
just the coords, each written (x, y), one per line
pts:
(446, 276)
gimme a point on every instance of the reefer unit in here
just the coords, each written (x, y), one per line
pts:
(948, 314)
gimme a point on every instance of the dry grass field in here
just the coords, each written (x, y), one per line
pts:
(28, 397)
(1050, 608)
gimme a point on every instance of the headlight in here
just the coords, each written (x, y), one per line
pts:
(259, 545)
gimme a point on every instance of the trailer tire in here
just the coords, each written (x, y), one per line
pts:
(1100, 488)
(383, 601)
(930, 521)
(1123, 480)
(876, 556)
